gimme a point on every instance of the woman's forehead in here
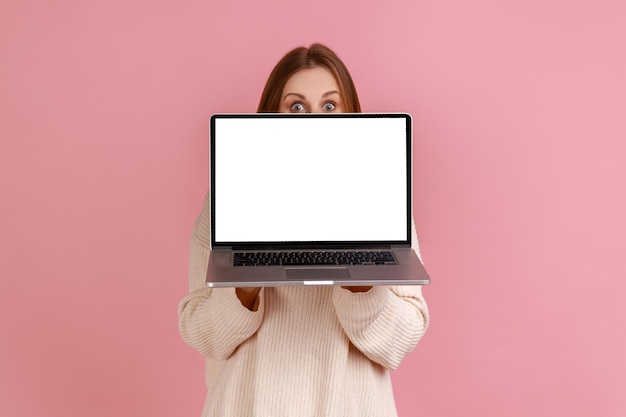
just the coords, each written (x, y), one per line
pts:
(314, 82)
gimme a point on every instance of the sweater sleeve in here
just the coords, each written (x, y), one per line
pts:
(213, 320)
(384, 323)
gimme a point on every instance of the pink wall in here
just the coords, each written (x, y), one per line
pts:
(519, 114)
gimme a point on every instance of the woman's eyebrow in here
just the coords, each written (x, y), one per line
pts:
(294, 94)
(330, 93)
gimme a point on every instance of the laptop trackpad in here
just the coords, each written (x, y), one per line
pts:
(304, 274)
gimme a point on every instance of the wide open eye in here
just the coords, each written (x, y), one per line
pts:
(329, 106)
(297, 107)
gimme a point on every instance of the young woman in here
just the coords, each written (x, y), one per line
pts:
(299, 351)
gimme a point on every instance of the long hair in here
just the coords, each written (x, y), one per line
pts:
(301, 58)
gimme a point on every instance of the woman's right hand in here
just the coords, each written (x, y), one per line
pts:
(248, 297)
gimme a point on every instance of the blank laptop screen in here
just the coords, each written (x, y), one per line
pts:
(310, 179)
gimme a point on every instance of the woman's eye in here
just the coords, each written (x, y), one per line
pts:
(329, 106)
(297, 107)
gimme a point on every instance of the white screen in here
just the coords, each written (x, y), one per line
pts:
(310, 179)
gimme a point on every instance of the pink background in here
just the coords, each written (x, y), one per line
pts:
(520, 146)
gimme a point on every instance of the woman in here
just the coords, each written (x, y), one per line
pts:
(299, 351)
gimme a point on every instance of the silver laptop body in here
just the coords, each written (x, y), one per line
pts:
(311, 199)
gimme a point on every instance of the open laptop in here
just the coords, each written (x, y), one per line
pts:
(311, 199)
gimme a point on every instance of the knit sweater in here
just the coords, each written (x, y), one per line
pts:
(306, 351)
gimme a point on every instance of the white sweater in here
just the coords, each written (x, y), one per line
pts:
(306, 351)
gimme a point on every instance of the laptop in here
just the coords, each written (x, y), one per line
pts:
(311, 199)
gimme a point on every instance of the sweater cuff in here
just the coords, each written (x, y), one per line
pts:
(238, 318)
(360, 306)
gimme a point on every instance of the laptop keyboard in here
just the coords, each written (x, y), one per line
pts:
(314, 258)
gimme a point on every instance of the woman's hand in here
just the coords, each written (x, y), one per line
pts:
(248, 297)
(357, 289)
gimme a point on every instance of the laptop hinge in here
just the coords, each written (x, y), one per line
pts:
(309, 246)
